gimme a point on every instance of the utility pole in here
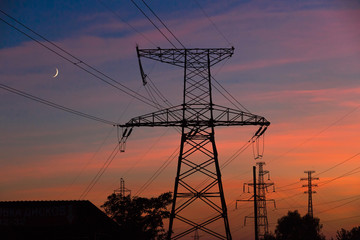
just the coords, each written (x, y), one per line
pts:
(198, 162)
(253, 198)
(309, 185)
(122, 190)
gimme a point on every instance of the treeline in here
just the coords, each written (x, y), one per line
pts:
(142, 219)
(294, 227)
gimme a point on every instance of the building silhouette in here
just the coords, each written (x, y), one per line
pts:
(58, 220)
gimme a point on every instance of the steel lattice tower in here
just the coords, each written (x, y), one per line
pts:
(261, 218)
(122, 190)
(262, 187)
(309, 185)
(198, 161)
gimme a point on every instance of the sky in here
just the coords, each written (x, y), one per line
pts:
(297, 63)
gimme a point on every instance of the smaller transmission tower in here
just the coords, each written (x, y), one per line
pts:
(262, 187)
(259, 197)
(309, 185)
(122, 190)
(196, 235)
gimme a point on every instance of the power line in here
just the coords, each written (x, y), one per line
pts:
(137, 6)
(346, 160)
(121, 19)
(78, 62)
(337, 219)
(339, 200)
(101, 171)
(236, 154)
(326, 170)
(163, 23)
(165, 164)
(317, 134)
(212, 22)
(329, 209)
(231, 96)
(99, 148)
(54, 105)
(351, 172)
(184, 48)
(150, 88)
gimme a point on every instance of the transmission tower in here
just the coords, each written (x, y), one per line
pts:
(122, 190)
(259, 198)
(262, 187)
(197, 117)
(309, 185)
(196, 235)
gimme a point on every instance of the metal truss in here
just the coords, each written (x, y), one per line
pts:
(198, 161)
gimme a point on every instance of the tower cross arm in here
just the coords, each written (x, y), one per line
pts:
(232, 117)
(168, 117)
(195, 116)
(193, 57)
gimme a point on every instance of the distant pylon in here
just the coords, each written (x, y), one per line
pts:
(122, 190)
(262, 187)
(309, 185)
(261, 220)
(196, 235)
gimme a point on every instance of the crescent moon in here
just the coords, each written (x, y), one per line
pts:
(57, 72)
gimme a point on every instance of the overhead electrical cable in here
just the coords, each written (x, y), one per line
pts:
(318, 133)
(337, 219)
(185, 47)
(288, 189)
(78, 62)
(231, 96)
(339, 200)
(326, 170)
(158, 93)
(173, 156)
(54, 105)
(351, 172)
(228, 161)
(99, 148)
(156, 174)
(346, 160)
(320, 184)
(218, 30)
(165, 164)
(235, 155)
(100, 172)
(121, 19)
(87, 164)
(343, 204)
(151, 88)
(212, 22)
(163, 23)
(137, 6)
(287, 185)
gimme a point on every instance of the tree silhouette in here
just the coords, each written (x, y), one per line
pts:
(269, 236)
(294, 227)
(139, 218)
(353, 234)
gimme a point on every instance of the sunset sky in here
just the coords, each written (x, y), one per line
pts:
(297, 63)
